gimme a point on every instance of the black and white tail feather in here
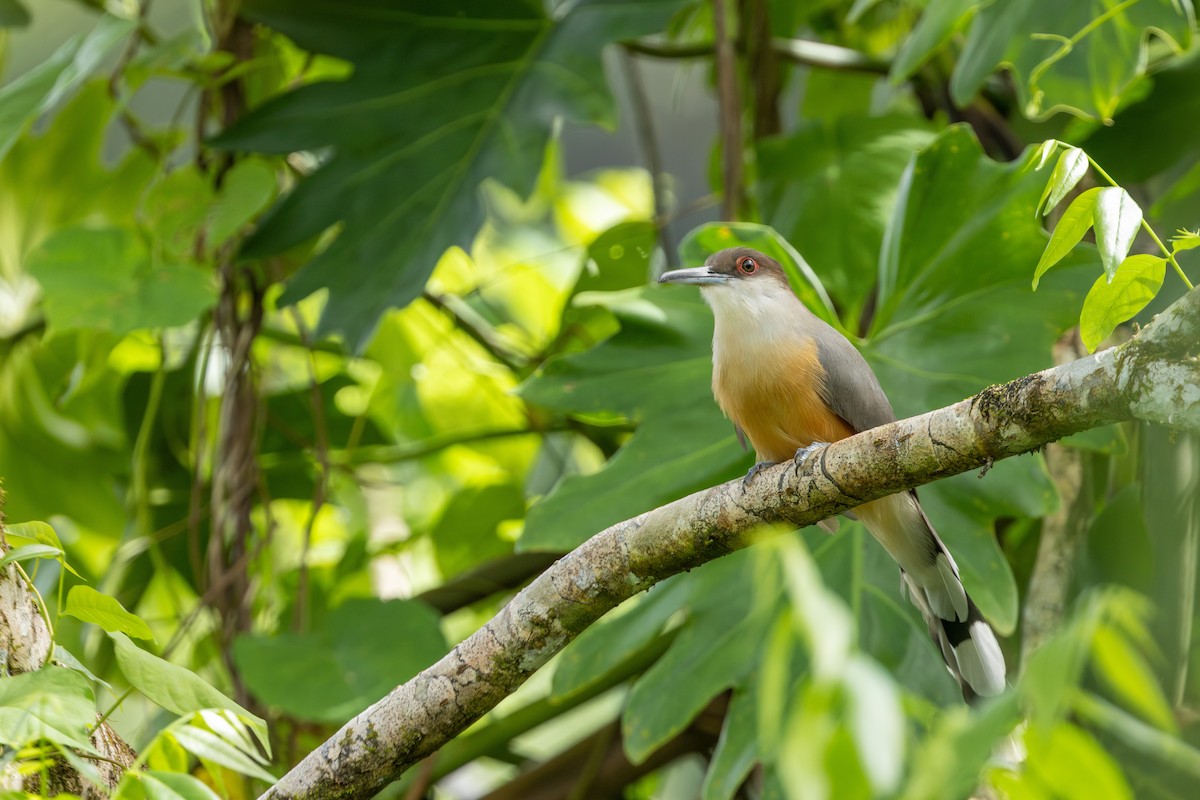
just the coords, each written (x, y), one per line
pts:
(968, 644)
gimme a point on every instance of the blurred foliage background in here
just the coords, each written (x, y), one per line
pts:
(323, 327)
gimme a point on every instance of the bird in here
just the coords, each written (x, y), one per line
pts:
(791, 383)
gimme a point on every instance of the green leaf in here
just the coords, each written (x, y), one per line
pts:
(737, 748)
(175, 688)
(1108, 304)
(65, 658)
(1069, 762)
(174, 786)
(30, 551)
(52, 703)
(89, 605)
(245, 191)
(106, 279)
(1078, 57)
(47, 84)
(1117, 217)
(830, 188)
(344, 665)
(31, 532)
(1126, 673)
(715, 649)
(656, 369)
(619, 258)
(1185, 240)
(210, 747)
(1069, 231)
(940, 20)
(1068, 172)
(479, 106)
(951, 756)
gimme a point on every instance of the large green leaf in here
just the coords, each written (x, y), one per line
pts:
(343, 666)
(655, 370)
(52, 703)
(434, 115)
(717, 647)
(1077, 56)
(829, 189)
(176, 688)
(89, 605)
(107, 279)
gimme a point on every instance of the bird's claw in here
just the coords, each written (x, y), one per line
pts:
(757, 468)
(804, 453)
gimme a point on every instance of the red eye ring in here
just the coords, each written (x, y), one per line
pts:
(747, 265)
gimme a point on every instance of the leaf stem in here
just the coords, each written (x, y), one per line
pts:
(1170, 256)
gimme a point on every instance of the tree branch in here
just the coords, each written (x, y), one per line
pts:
(1155, 376)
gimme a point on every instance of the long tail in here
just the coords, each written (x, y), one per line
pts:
(930, 577)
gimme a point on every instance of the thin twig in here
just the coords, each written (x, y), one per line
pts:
(729, 107)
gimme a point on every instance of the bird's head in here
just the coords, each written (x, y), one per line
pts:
(737, 281)
(737, 267)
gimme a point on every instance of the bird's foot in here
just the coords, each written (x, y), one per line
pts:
(804, 453)
(757, 468)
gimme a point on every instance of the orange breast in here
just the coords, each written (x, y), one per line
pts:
(774, 396)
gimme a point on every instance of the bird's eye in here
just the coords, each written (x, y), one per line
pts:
(748, 266)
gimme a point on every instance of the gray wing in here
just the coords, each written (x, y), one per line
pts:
(851, 389)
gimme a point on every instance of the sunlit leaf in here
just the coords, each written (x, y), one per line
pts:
(1071, 167)
(1108, 304)
(1074, 223)
(1185, 240)
(1069, 762)
(27, 552)
(174, 786)
(52, 703)
(175, 688)
(1125, 671)
(89, 605)
(211, 747)
(1117, 218)
(106, 279)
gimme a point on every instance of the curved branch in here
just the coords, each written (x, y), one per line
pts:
(1154, 376)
